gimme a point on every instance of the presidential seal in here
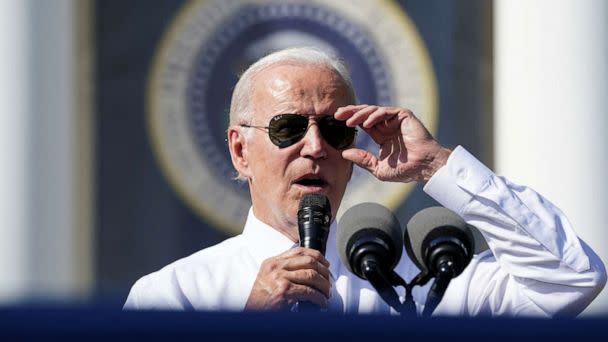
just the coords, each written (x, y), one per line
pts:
(211, 42)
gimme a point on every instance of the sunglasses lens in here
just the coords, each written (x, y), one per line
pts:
(287, 129)
(336, 133)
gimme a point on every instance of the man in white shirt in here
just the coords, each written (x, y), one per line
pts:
(292, 122)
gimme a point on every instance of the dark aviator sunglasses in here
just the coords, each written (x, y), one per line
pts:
(287, 129)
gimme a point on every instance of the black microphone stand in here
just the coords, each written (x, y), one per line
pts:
(383, 282)
(369, 261)
(445, 273)
(446, 257)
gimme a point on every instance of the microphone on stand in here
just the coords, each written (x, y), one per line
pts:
(369, 241)
(441, 244)
(314, 217)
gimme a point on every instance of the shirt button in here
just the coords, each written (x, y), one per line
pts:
(462, 174)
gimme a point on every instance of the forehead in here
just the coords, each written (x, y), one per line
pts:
(304, 89)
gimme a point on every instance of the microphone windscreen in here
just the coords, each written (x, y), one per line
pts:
(428, 222)
(368, 216)
(314, 199)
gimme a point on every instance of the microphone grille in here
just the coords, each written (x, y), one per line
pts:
(314, 199)
(423, 222)
(367, 216)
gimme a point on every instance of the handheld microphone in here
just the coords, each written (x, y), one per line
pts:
(369, 241)
(441, 244)
(314, 217)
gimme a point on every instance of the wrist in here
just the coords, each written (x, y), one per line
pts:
(438, 160)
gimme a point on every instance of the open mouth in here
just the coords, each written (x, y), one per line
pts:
(311, 181)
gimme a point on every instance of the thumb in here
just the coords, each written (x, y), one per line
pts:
(362, 158)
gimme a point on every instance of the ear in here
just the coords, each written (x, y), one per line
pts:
(237, 144)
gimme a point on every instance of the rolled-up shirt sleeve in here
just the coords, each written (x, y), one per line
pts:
(537, 264)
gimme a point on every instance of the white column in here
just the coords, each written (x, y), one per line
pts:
(14, 139)
(60, 239)
(551, 108)
(45, 157)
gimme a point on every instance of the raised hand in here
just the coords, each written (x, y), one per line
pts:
(407, 153)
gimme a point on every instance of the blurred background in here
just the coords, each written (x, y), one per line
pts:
(113, 162)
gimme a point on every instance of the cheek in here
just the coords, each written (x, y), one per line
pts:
(269, 168)
(346, 169)
(343, 171)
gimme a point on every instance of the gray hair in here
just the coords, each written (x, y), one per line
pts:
(240, 106)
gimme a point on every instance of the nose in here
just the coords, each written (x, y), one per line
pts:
(314, 144)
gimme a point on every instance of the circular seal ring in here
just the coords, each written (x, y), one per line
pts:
(210, 42)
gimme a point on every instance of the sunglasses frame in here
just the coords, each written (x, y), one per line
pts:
(302, 120)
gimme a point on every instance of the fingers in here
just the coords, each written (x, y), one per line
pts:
(407, 150)
(388, 116)
(360, 115)
(344, 113)
(293, 293)
(361, 158)
(368, 116)
(301, 251)
(307, 263)
(311, 280)
(308, 267)
(300, 274)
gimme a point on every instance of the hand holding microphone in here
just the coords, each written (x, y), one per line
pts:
(314, 218)
(299, 275)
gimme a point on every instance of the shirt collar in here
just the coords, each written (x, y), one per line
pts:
(264, 241)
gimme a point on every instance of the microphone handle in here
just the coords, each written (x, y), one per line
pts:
(319, 245)
(312, 243)
(314, 236)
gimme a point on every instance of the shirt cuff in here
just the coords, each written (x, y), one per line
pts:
(454, 184)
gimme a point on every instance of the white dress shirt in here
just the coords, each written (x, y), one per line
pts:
(536, 265)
